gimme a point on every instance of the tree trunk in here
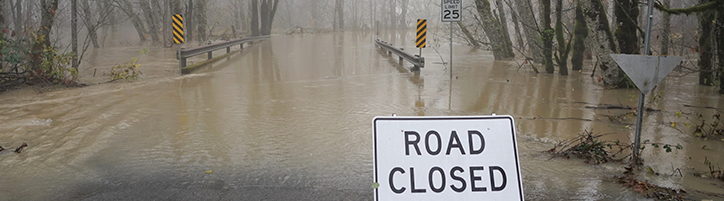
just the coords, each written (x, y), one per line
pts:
(268, 10)
(627, 12)
(339, 15)
(18, 16)
(720, 45)
(48, 10)
(563, 46)
(667, 30)
(403, 15)
(90, 24)
(264, 17)
(2, 19)
(706, 72)
(202, 23)
(190, 24)
(163, 16)
(127, 7)
(580, 33)
(74, 32)
(393, 16)
(602, 42)
(166, 17)
(492, 27)
(254, 17)
(503, 23)
(547, 35)
(531, 29)
(516, 25)
(468, 35)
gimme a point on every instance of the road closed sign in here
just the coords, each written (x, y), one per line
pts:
(446, 158)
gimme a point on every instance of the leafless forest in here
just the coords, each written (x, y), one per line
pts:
(46, 39)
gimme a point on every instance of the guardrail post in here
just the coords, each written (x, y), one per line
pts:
(241, 46)
(209, 55)
(181, 60)
(401, 49)
(228, 49)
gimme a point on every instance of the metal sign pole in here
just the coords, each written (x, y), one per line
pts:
(451, 49)
(640, 116)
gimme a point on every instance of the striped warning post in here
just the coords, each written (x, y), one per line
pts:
(421, 33)
(178, 29)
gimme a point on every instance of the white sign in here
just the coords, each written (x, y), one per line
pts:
(451, 10)
(646, 71)
(446, 158)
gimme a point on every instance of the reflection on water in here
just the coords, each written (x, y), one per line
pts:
(290, 119)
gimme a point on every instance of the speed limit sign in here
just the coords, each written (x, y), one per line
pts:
(451, 10)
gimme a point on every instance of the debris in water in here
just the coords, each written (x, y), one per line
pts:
(650, 190)
(21, 147)
(589, 147)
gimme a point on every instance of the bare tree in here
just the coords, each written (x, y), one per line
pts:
(74, 32)
(403, 14)
(564, 47)
(48, 11)
(2, 17)
(580, 33)
(254, 7)
(18, 17)
(127, 7)
(150, 19)
(494, 31)
(201, 21)
(602, 41)
(667, 30)
(530, 28)
(547, 35)
(339, 12)
(393, 17)
(90, 23)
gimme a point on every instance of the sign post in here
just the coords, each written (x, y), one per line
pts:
(639, 68)
(645, 72)
(178, 37)
(450, 10)
(446, 158)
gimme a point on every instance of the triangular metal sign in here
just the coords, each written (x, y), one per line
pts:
(646, 71)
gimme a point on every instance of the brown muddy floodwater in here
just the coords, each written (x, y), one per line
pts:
(290, 118)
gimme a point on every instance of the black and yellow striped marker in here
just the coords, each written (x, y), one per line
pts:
(421, 33)
(178, 29)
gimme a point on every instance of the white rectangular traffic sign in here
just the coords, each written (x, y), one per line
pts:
(451, 10)
(446, 158)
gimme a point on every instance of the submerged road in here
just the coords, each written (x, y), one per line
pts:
(290, 118)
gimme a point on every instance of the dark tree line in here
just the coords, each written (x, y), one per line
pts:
(550, 42)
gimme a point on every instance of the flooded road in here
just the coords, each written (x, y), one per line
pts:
(290, 118)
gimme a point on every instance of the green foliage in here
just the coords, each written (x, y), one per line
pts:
(44, 64)
(13, 51)
(666, 147)
(590, 147)
(129, 70)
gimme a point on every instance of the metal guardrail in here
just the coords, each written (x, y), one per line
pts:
(208, 49)
(416, 60)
